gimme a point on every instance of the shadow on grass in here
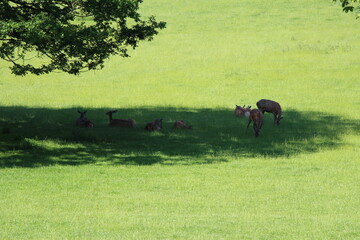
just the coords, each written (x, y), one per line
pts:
(33, 137)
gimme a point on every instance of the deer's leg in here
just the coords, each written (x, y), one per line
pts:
(256, 129)
(275, 117)
(248, 125)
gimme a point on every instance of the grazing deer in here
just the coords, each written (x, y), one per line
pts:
(257, 117)
(270, 106)
(82, 121)
(242, 111)
(181, 125)
(120, 122)
(154, 125)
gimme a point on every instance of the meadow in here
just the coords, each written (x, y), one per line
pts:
(299, 180)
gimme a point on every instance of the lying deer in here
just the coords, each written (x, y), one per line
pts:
(82, 121)
(154, 125)
(254, 115)
(120, 122)
(270, 106)
(181, 125)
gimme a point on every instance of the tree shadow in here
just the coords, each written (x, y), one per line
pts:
(33, 137)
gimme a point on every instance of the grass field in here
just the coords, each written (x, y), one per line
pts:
(296, 181)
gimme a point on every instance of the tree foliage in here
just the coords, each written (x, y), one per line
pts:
(70, 35)
(350, 6)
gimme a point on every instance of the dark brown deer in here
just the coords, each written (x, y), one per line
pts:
(154, 125)
(254, 115)
(120, 122)
(181, 125)
(270, 106)
(242, 111)
(82, 121)
(257, 117)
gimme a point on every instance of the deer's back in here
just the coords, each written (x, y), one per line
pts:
(268, 105)
(181, 124)
(256, 115)
(122, 123)
(83, 122)
(154, 126)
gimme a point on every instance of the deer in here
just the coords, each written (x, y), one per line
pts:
(154, 125)
(254, 115)
(180, 124)
(130, 123)
(257, 117)
(82, 121)
(242, 111)
(270, 106)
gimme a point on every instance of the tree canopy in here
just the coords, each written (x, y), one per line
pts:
(350, 6)
(70, 35)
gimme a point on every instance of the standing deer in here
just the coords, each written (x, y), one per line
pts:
(257, 117)
(181, 125)
(270, 106)
(120, 122)
(154, 125)
(242, 111)
(254, 115)
(82, 121)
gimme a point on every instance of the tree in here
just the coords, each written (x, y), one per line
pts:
(70, 35)
(350, 6)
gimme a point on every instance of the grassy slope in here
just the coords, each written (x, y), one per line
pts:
(297, 181)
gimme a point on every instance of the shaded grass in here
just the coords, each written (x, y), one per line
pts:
(34, 137)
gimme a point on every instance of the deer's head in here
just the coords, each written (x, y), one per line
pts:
(111, 112)
(242, 111)
(82, 114)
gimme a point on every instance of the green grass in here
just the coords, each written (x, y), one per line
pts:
(296, 181)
